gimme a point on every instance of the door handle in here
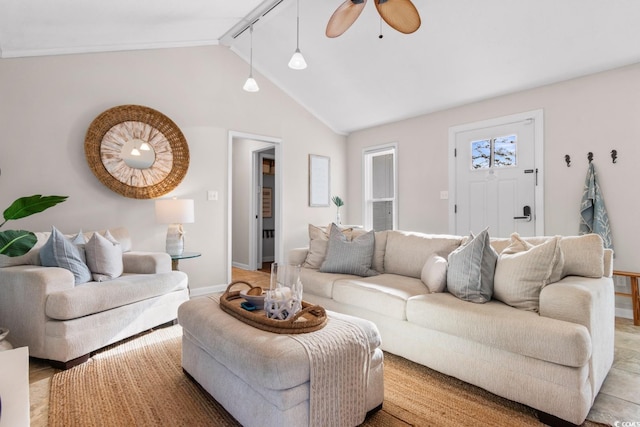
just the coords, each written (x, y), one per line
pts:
(526, 211)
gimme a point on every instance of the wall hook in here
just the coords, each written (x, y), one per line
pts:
(614, 155)
(590, 156)
(567, 158)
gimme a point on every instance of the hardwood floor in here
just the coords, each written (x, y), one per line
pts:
(618, 400)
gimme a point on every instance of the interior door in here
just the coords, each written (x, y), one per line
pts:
(495, 179)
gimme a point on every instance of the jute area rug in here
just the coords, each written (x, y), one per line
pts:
(140, 382)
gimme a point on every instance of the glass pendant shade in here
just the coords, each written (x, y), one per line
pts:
(251, 85)
(297, 61)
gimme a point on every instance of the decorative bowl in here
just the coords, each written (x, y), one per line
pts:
(257, 300)
(3, 333)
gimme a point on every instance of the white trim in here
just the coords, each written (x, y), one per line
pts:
(278, 146)
(207, 290)
(538, 118)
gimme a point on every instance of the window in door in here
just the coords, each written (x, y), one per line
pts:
(497, 152)
(380, 188)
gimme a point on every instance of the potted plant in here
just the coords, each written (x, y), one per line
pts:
(19, 242)
(338, 202)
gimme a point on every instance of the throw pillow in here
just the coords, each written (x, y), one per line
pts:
(104, 257)
(59, 251)
(434, 273)
(524, 269)
(471, 269)
(319, 242)
(349, 257)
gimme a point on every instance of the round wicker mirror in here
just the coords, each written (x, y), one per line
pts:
(136, 151)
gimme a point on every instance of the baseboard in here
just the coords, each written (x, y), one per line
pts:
(207, 290)
(625, 313)
(240, 265)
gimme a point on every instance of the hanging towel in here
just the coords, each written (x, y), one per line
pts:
(593, 213)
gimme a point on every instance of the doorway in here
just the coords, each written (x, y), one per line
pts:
(246, 204)
(495, 176)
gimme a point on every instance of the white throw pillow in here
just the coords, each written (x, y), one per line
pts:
(104, 257)
(434, 273)
(524, 269)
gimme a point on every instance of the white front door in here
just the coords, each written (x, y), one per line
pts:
(497, 180)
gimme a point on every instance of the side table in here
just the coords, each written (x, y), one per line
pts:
(175, 259)
(635, 298)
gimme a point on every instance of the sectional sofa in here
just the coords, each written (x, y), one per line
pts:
(61, 320)
(544, 338)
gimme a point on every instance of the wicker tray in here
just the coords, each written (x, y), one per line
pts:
(310, 318)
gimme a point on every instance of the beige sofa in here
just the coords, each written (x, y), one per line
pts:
(63, 322)
(553, 359)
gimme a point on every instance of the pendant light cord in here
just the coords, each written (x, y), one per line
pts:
(297, 25)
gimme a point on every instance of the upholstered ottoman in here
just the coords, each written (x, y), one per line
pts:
(264, 379)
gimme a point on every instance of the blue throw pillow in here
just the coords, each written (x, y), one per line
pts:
(58, 251)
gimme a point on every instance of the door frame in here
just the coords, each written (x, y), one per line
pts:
(277, 144)
(537, 116)
(258, 185)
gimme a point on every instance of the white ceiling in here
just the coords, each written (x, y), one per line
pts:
(465, 51)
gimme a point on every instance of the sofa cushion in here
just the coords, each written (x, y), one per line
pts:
(349, 257)
(60, 251)
(321, 284)
(377, 263)
(497, 325)
(582, 255)
(94, 297)
(524, 269)
(30, 258)
(434, 273)
(406, 252)
(104, 257)
(386, 294)
(471, 269)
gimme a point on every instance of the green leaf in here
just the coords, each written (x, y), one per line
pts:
(16, 242)
(337, 201)
(25, 206)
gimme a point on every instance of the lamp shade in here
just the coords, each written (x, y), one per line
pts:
(175, 211)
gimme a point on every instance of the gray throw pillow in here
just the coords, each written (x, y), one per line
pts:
(59, 251)
(104, 257)
(349, 257)
(471, 268)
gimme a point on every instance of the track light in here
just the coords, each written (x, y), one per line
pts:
(297, 61)
(251, 85)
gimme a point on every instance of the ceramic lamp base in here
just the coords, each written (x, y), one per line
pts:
(175, 240)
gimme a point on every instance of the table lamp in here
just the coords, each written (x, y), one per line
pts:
(175, 212)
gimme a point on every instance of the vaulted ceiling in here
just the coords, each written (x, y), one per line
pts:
(465, 50)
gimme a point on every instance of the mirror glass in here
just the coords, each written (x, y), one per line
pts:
(138, 154)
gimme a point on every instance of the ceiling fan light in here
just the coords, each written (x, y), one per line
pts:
(297, 61)
(251, 85)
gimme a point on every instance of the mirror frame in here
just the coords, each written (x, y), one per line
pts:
(137, 113)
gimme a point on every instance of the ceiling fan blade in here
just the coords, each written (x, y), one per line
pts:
(344, 16)
(401, 15)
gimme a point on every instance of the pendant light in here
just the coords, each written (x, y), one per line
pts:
(251, 85)
(297, 61)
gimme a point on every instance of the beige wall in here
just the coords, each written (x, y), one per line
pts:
(597, 113)
(46, 105)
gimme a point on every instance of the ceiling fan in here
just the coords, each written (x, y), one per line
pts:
(401, 15)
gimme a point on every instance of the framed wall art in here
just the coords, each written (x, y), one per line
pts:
(319, 180)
